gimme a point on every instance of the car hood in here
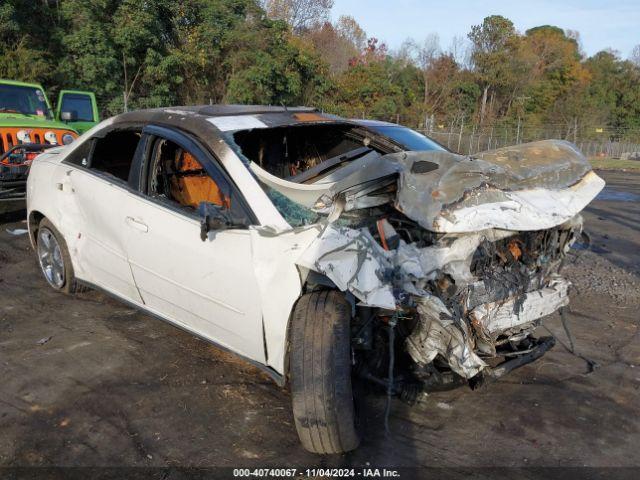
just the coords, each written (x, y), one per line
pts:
(532, 186)
(15, 120)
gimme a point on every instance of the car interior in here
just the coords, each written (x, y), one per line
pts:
(176, 175)
(305, 153)
(114, 153)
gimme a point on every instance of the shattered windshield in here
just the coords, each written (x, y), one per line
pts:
(24, 100)
(295, 214)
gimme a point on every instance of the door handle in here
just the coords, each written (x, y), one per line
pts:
(138, 225)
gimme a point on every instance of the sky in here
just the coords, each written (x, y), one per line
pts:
(602, 24)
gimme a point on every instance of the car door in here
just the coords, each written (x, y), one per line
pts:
(78, 109)
(95, 193)
(207, 287)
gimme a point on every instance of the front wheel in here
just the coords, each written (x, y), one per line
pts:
(320, 372)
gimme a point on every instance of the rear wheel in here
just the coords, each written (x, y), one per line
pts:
(54, 259)
(320, 371)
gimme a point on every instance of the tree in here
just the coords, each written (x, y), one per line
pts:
(613, 93)
(426, 55)
(26, 52)
(494, 46)
(300, 14)
(635, 56)
(272, 67)
(557, 78)
(351, 31)
(337, 44)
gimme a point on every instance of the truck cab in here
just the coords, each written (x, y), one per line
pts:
(29, 125)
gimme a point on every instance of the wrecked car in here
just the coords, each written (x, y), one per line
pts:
(325, 251)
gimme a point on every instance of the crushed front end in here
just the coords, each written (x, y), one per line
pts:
(463, 307)
(451, 280)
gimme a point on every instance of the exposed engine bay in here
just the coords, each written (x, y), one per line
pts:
(450, 262)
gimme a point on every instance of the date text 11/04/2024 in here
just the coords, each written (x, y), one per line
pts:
(316, 472)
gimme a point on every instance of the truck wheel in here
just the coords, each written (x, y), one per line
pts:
(320, 372)
(54, 258)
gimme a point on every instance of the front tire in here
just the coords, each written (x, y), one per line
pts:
(320, 372)
(54, 259)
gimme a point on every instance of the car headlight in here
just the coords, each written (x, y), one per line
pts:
(23, 136)
(50, 137)
(67, 138)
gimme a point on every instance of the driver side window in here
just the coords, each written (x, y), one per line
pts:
(176, 176)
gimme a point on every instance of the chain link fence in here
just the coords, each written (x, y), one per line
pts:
(468, 143)
(467, 138)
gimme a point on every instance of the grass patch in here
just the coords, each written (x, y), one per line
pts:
(615, 164)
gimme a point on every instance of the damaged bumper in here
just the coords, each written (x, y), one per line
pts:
(469, 257)
(439, 332)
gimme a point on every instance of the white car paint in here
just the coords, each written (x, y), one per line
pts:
(208, 287)
(153, 258)
(525, 210)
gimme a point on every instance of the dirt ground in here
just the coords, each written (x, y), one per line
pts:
(87, 381)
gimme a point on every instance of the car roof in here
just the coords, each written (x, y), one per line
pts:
(187, 116)
(227, 110)
(373, 123)
(212, 122)
(208, 119)
(20, 84)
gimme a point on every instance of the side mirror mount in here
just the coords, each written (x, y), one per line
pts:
(212, 217)
(68, 116)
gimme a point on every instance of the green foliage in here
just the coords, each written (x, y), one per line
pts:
(281, 71)
(149, 53)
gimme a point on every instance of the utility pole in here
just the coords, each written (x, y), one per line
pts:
(460, 135)
(521, 99)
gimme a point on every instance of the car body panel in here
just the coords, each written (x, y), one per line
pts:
(238, 287)
(101, 247)
(207, 286)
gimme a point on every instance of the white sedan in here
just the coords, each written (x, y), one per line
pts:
(324, 250)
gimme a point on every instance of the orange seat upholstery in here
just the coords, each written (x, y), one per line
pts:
(192, 185)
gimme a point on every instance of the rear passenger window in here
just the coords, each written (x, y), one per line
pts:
(80, 156)
(113, 154)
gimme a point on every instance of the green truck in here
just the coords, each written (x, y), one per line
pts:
(29, 125)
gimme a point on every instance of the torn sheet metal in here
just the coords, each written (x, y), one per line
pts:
(454, 253)
(477, 202)
(304, 194)
(355, 262)
(526, 187)
(279, 282)
(440, 332)
(491, 319)
(526, 210)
